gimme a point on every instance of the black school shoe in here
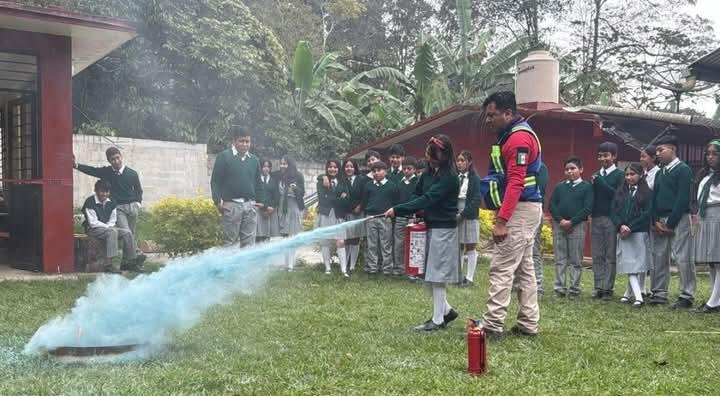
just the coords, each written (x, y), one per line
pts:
(706, 309)
(682, 303)
(452, 315)
(429, 325)
(465, 283)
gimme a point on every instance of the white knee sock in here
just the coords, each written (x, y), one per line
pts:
(354, 253)
(472, 264)
(342, 255)
(439, 304)
(325, 251)
(635, 285)
(714, 300)
(290, 259)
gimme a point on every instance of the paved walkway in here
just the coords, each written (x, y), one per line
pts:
(310, 255)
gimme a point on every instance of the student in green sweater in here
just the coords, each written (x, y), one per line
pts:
(379, 195)
(570, 205)
(333, 200)
(631, 212)
(406, 191)
(125, 189)
(437, 192)
(469, 200)
(237, 189)
(605, 183)
(671, 226)
(101, 223)
(396, 158)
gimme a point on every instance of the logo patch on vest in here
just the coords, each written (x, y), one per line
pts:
(522, 156)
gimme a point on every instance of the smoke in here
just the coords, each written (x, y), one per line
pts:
(147, 310)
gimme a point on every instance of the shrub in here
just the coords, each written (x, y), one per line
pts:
(186, 226)
(309, 218)
(487, 221)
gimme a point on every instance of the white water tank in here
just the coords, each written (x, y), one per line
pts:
(538, 78)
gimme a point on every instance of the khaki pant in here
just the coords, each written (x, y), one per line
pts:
(513, 257)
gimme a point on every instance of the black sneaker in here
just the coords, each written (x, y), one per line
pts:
(560, 294)
(606, 296)
(516, 330)
(429, 326)
(637, 304)
(465, 283)
(681, 303)
(708, 309)
(657, 301)
(598, 294)
(452, 315)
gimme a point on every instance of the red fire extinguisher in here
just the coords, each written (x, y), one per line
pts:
(415, 239)
(477, 348)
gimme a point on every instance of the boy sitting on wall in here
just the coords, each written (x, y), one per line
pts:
(100, 222)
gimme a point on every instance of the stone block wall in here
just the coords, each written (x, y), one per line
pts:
(166, 168)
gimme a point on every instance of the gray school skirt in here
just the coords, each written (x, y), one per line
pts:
(468, 230)
(356, 231)
(442, 262)
(707, 237)
(632, 255)
(290, 222)
(267, 225)
(329, 220)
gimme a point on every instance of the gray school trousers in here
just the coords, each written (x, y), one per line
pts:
(379, 245)
(110, 236)
(568, 247)
(604, 239)
(127, 215)
(239, 223)
(398, 267)
(677, 248)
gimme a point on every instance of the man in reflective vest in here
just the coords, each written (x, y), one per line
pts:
(512, 190)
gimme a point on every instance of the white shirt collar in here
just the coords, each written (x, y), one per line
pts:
(576, 182)
(235, 152)
(119, 171)
(672, 164)
(382, 182)
(652, 170)
(464, 174)
(609, 170)
(97, 201)
(406, 179)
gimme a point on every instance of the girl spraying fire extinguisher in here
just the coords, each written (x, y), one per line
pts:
(437, 192)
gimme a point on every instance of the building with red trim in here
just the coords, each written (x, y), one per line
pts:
(40, 50)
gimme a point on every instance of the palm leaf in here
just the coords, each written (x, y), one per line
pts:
(425, 65)
(326, 114)
(504, 59)
(326, 63)
(303, 68)
(389, 74)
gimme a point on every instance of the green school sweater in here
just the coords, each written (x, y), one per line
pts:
(102, 211)
(331, 198)
(379, 198)
(436, 194)
(636, 218)
(124, 188)
(604, 188)
(406, 191)
(233, 178)
(574, 203)
(393, 176)
(671, 196)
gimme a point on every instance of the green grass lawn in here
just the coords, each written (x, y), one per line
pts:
(307, 333)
